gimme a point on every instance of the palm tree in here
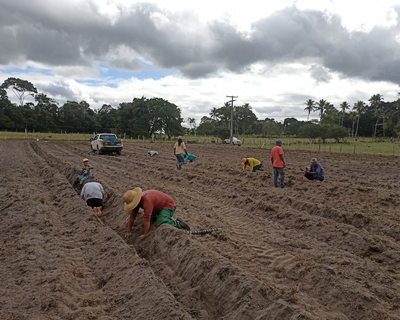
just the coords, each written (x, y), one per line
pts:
(353, 117)
(320, 107)
(330, 115)
(379, 114)
(359, 107)
(375, 102)
(310, 107)
(344, 106)
(214, 113)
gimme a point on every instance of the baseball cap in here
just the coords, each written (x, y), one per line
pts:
(84, 160)
(278, 141)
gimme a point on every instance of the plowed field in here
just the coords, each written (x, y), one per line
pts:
(314, 250)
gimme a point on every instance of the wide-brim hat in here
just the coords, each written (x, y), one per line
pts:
(132, 198)
(313, 160)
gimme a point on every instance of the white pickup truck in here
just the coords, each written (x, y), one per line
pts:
(235, 141)
(106, 143)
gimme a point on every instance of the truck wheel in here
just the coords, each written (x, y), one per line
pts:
(119, 152)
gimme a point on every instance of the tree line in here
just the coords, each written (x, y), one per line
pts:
(149, 117)
(374, 119)
(141, 117)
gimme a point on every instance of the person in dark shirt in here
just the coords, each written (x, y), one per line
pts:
(315, 172)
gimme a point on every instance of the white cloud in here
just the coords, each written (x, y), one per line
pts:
(271, 54)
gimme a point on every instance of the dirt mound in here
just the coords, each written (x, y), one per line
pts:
(314, 250)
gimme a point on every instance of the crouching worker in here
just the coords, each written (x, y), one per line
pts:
(155, 204)
(253, 164)
(86, 171)
(92, 193)
(315, 172)
(152, 153)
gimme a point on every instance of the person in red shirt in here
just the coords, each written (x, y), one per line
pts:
(155, 204)
(278, 163)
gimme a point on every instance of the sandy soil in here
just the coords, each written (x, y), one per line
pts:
(314, 250)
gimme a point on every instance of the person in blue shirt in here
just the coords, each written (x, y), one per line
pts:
(86, 171)
(315, 172)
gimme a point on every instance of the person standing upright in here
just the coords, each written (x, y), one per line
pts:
(278, 163)
(180, 152)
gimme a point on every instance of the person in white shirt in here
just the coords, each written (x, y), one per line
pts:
(92, 193)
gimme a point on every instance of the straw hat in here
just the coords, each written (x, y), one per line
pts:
(132, 198)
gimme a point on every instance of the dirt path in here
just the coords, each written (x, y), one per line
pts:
(313, 250)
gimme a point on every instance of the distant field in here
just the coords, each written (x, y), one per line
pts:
(350, 145)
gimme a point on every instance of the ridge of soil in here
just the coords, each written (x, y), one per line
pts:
(314, 250)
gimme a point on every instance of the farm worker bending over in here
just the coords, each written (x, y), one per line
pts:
(278, 163)
(86, 171)
(180, 152)
(315, 172)
(154, 203)
(253, 164)
(92, 193)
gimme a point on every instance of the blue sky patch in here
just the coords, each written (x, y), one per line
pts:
(15, 70)
(113, 73)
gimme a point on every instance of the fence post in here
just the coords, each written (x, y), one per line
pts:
(354, 150)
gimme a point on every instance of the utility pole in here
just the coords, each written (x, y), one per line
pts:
(230, 138)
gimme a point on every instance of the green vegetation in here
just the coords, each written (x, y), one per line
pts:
(377, 146)
(160, 120)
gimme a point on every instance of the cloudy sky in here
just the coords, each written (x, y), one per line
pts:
(272, 54)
